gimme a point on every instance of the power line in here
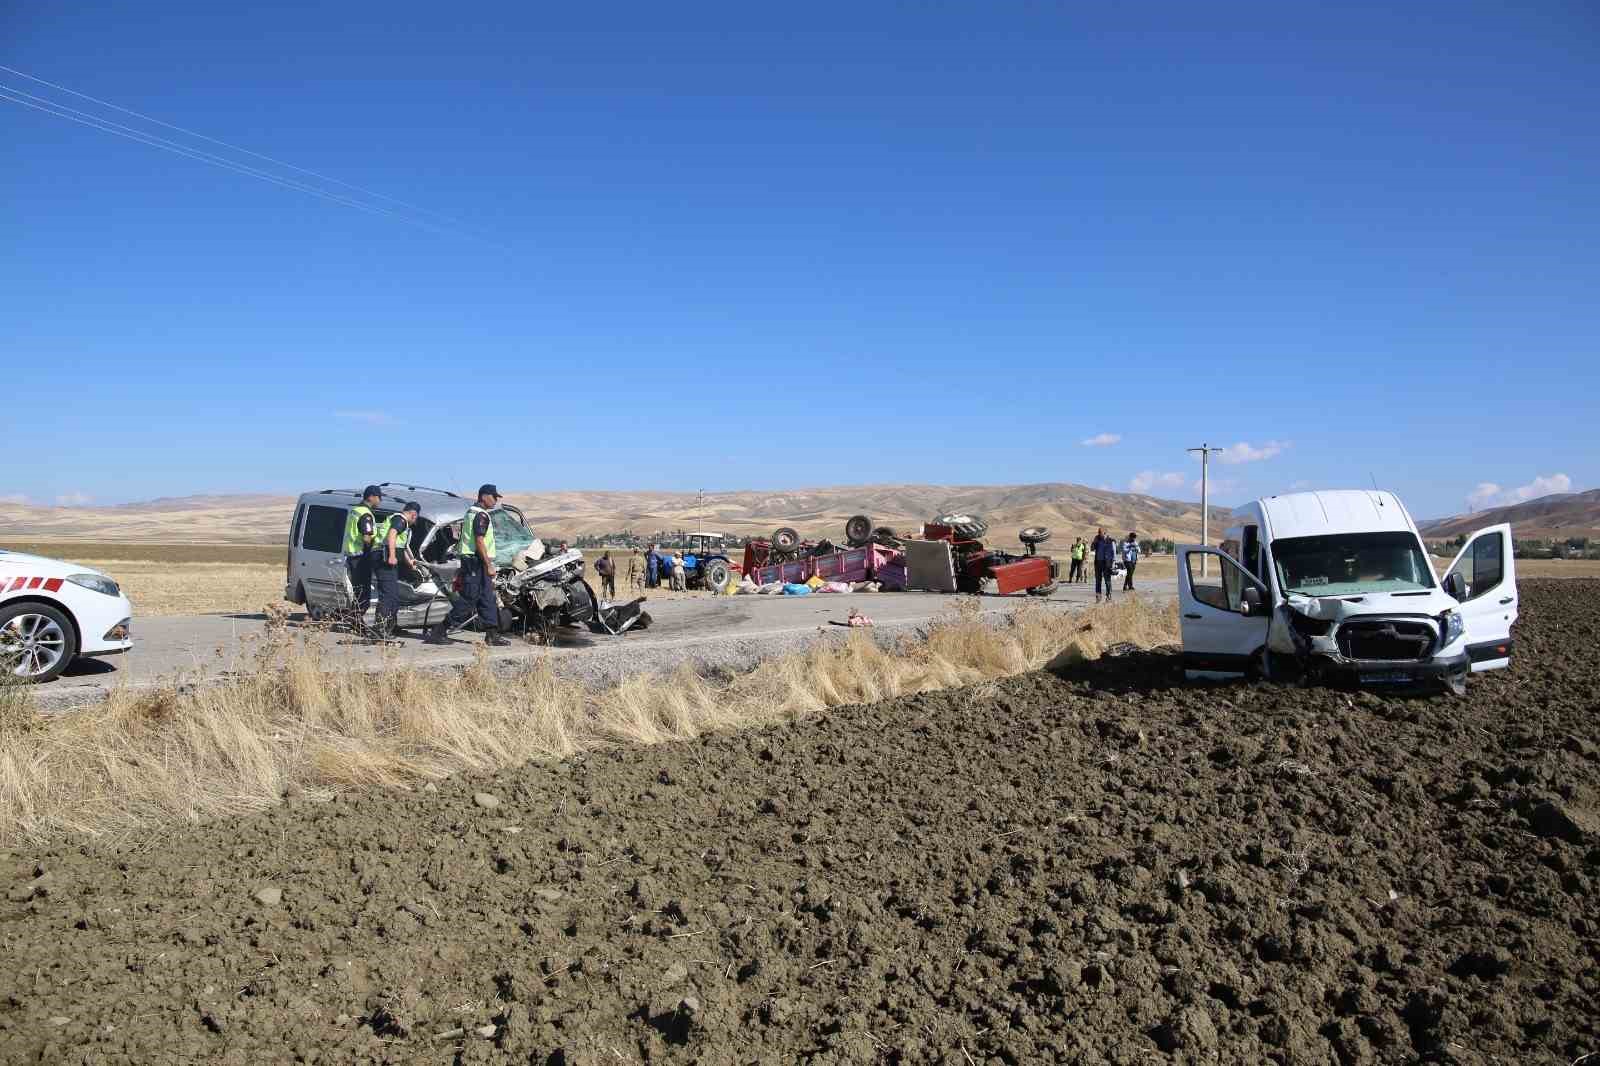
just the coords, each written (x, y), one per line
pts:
(231, 147)
(118, 129)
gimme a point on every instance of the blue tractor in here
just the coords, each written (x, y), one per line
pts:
(705, 562)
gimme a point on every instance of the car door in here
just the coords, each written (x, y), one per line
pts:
(1487, 570)
(1219, 638)
(320, 555)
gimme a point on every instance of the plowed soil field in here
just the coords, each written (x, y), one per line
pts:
(1105, 867)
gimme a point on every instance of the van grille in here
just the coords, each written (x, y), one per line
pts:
(1385, 639)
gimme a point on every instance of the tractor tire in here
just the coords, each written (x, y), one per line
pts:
(714, 575)
(1034, 535)
(885, 533)
(1043, 590)
(785, 540)
(858, 530)
(965, 526)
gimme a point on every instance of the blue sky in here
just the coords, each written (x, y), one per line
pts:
(719, 247)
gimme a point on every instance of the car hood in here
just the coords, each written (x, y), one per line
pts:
(1336, 608)
(42, 565)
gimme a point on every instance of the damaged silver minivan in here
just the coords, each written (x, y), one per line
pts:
(1337, 585)
(316, 571)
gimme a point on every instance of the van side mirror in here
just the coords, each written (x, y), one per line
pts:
(1455, 586)
(1252, 602)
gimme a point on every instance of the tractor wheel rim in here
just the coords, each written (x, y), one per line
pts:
(35, 641)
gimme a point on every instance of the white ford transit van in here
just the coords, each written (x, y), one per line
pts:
(1339, 583)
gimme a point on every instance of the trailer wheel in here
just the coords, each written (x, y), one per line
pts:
(785, 539)
(714, 575)
(1034, 535)
(965, 526)
(858, 530)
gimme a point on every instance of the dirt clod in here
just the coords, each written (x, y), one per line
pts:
(1105, 865)
(486, 800)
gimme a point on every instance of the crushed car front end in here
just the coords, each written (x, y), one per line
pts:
(1360, 642)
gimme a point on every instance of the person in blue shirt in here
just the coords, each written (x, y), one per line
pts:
(1130, 559)
(1105, 556)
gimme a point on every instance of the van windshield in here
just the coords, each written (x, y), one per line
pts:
(1349, 564)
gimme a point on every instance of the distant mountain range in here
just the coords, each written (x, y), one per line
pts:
(259, 519)
(1564, 514)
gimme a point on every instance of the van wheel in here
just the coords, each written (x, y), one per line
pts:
(36, 641)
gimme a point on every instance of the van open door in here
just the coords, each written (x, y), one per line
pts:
(1484, 578)
(1224, 612)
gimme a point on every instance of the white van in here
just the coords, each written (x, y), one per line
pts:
(1339, 583)
(316, 574)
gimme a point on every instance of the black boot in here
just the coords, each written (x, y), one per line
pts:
(495, 640)
(436, 635)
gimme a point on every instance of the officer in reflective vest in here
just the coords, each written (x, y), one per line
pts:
(476, 547)
(393, 548)
(360, 536)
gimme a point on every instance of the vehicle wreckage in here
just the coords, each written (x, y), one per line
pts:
(540, 593)
(538, 590)
(1336, 586)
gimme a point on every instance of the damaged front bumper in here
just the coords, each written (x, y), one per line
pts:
(1333, 643)
(1448, 672)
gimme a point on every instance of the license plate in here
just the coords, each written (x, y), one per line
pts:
(1386, 677)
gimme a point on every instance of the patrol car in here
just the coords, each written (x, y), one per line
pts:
(52, 612)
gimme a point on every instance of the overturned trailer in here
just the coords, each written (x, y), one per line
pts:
(1337, 586)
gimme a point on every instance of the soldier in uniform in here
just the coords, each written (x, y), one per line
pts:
(360, 537)
(476, 548)
(394, 547)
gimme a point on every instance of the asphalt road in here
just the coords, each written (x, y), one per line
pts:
(723, 632)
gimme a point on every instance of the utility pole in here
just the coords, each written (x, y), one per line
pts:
(700, 518)
(1205, 451)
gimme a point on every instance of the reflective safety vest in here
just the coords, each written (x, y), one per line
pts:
(1077, 552)
(353, 544)
(402, 535)
(468, 547)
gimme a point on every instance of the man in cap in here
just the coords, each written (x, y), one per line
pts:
(360, 537)
(476, 547)
(394, 547)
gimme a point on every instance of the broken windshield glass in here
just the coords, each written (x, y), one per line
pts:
(1350, 564)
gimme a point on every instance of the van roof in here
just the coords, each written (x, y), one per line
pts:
(433, 501)
(1311, 514)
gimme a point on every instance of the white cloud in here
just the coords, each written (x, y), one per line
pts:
(1488, 494)
(371, 418)
(1245, 452)
(73, 499)
(1101, 440)
(1145, 480)
(14, 497)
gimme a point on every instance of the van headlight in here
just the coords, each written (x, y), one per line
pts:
(1453, 626)
(96, 583)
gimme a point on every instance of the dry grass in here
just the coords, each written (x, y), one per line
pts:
(296, 726)
(162, 588)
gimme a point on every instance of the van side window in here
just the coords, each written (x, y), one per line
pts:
(299, 520)
(324, 528)
(1222, 586)
(1484, 567)
(1251, 556)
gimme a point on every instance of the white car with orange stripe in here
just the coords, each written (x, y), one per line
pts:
(51, 612)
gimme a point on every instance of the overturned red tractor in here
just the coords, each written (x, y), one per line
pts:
(951, 556)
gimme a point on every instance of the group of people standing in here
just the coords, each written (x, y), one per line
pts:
(1104, 551)
(375, 550)
(664, 568)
